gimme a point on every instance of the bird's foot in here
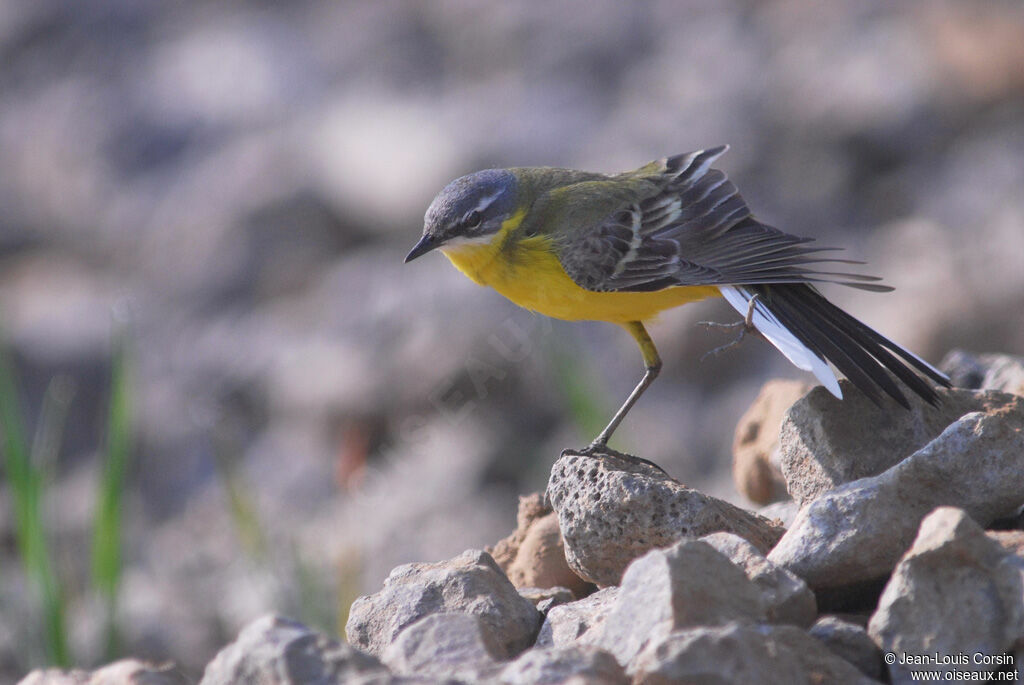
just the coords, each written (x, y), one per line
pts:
(746, 326)
(745, 329)
(600, 449)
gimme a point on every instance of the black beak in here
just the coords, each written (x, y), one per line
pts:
(425, 245)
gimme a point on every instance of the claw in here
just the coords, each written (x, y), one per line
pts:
(596, 449)
(732, 343)
(746, 326)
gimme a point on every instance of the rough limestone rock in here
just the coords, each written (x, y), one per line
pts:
(851, 642)
(612, 510)
(124, 672)
(737, 653)
(755, 445)
(56, 676)
(826, 442)
(786, 598)
(558, 664)
(577, 622)
(533, 555)
(685, 585)
(1011, 540)
(859, 531)
(445, 646)
(985, 371)
(781, 513)
(546, 598)
(274, 650)
(956, 591)
(471, 583)
(531, 508)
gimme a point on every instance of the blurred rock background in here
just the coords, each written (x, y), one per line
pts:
(235, 185)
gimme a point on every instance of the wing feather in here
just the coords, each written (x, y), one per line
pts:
(683, 223)
(692, 227)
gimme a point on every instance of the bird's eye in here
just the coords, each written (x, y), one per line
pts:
(472, 220)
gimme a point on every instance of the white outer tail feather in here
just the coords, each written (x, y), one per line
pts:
(777, 334)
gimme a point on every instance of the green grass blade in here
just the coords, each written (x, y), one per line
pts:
(242, 507)
(108, 522)
(16, 454)
(27, 490)
(316, 608)
(52, 419)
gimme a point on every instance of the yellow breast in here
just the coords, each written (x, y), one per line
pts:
(530, 275)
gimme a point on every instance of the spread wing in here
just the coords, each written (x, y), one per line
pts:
(690, 226)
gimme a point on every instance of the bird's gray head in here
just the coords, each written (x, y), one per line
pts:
(469, 209)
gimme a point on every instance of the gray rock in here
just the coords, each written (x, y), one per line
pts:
(578, 621)
(786, 597)
(782, 513)
(687, 584)
(1002, 372)
(56, 676)
(851, 642)
(471, 583)
(134, 672)
(546, 598)
(534, 555)
(738, 653)
(442, 646)
(859, 531)
(1011, 540)
(956, 591)
(826, 442)
(124, 672)
(541, 666)
(755, 445)
(612, 510)
(274, 650)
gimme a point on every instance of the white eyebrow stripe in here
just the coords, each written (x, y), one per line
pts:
(486, 201)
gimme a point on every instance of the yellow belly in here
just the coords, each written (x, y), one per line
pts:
(533, 278)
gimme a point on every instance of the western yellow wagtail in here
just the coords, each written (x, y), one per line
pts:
(621, 248)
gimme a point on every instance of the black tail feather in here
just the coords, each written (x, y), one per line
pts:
(879, 346)
(860, 353)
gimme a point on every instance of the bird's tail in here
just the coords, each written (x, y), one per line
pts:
(811, 332)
